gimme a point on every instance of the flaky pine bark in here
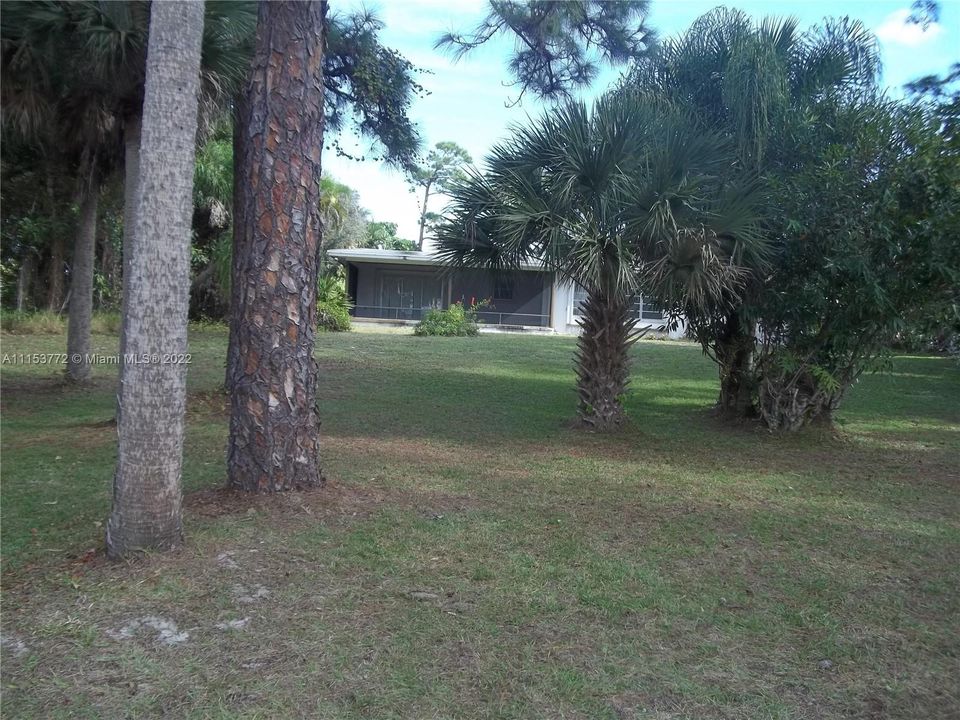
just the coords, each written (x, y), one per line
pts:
(239, 261)
(131, 181)
(734, 351)
(146, 493)
(274, 427)
(81, 283)
(608, 330)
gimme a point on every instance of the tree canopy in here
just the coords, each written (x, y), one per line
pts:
(559, 46)
(371, 87)
(436, 173)
(626, 194)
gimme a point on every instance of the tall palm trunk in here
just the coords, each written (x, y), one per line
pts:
(131, 181)
(608, 330)
(146, 491)
(55, 268)
(81, 283)
(274, 426)
(55, 275)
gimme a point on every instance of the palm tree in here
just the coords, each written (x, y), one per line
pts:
(53, 104)
(75, 72)
(614, 198)
(146, 510)
(752, 83)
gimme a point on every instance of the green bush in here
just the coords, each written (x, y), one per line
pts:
(333, 317)
(455, 321)
(333, 305)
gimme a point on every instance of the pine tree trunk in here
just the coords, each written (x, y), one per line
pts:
(240, 252)
(608, 330)
(738, 384)
(81, 284)
(423, 215)
(274, 426)
(146, 510)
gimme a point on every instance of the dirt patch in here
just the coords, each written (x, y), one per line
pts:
(332, 500)
(222, 501)
(414, 452)
(167, 632)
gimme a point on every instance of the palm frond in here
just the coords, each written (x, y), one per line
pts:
(606, 196)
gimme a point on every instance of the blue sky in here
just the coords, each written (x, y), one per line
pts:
(468, 99)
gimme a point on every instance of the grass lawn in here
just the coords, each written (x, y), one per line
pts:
(472, 556)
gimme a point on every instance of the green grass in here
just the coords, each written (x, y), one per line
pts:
(474, 556)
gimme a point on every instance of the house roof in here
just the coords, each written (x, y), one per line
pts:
(395, 257)
(399, 257)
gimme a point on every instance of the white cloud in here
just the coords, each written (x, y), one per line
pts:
(895, 30)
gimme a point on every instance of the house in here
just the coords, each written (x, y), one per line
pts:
(398, 287)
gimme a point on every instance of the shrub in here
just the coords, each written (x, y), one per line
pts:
(333, 306)
(455, 321)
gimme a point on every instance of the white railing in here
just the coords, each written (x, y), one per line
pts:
(488, 317)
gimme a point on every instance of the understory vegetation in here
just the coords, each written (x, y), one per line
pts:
(475, 556)
(333, 305)
(457, 320)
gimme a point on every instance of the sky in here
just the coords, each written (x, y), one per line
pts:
(469, 100)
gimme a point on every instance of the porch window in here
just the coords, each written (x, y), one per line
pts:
(406, 296)
(579, 299)
(646, 310)
(649, 310)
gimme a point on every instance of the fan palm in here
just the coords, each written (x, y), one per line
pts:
(753, 83)
(616, 197)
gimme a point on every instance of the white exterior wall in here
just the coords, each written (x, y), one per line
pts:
(563, 321)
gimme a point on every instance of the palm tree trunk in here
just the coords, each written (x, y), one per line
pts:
(55, 269)
(146, 491)
(81, 283)
(274, 426)
(607, 331)
(25, 281)
(55, 275)
(738, 385)
(131, 181)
